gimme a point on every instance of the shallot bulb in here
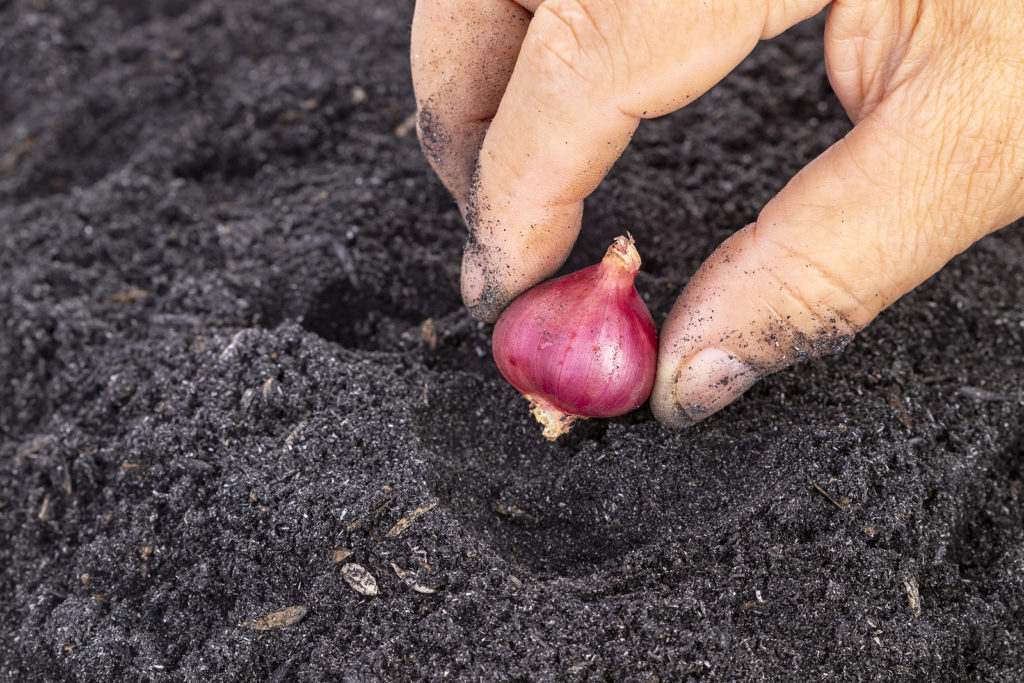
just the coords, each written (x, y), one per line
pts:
(583, 345)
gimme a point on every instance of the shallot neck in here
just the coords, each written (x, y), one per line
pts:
(623, 254)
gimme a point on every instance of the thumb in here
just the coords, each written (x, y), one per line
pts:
(867, 221)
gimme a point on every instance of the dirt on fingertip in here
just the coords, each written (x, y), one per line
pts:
(249, 432)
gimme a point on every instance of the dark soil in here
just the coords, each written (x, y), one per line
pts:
(219, 247)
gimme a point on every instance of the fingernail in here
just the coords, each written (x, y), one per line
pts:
(484, 298)
(711, 380)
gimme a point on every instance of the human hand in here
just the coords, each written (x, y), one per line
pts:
(551, 92)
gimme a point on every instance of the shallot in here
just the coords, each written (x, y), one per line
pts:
(582, 345)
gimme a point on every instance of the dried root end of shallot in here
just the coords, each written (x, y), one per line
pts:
(554, 421)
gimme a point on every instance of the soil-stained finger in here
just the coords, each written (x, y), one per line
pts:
(462, 53)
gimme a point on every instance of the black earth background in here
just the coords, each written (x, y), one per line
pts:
(220, 248)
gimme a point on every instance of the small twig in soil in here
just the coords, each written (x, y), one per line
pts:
(985, 395)
(896, 403)
(347, 264)
(10, 160)
(66, 475)
(359, 522)
(286, 475)
(823, 492)
(913, 595)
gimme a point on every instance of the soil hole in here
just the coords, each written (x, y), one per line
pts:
(581, 503)
(355, 318)
(372, 320)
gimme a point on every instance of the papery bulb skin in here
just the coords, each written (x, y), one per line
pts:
(583, 345)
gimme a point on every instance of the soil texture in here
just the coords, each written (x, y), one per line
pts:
(241, 394)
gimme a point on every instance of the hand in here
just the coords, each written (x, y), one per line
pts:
(550, 94)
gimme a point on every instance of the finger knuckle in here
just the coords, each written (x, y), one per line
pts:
(811, 291)
(573, 36)
(553, 46)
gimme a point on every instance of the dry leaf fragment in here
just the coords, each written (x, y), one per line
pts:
(428, 331)
(247, 397)
(408, 125)
(409, 579)
(361, 580)
(284, 617)
(10, 160)
(340, 554)
(404, 523)
(508, 509)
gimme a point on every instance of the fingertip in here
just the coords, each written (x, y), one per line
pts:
(513, 245)
(483, 295)
(667, 410)
(690, 389)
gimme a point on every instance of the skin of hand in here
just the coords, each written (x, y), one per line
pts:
(523, 108)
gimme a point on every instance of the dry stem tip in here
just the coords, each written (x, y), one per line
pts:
(623, 251)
